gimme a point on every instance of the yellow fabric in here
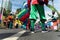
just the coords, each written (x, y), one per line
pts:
(3, 17)
(18, 22)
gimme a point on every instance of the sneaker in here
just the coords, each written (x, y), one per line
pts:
(44, 31)
(32, 32)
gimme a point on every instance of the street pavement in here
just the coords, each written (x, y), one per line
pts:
(10, 30)
(5, 33)
(20, 34)
(40, 36)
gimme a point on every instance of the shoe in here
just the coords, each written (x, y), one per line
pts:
(44, 31)
(32, 32)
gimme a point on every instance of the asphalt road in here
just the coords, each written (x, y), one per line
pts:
(5, 33)
(40, 36)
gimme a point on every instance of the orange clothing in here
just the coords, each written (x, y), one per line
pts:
(54, 23)
(10, 17)
(58, 21)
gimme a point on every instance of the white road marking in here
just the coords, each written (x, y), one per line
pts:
(16, 36)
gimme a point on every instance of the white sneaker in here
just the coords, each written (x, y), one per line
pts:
(32, 32)
(44, 31)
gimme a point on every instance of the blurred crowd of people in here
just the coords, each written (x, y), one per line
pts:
(11, 22)
(52, 24)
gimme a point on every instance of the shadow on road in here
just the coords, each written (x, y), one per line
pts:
(58, 35)
(5, 35)
(25, 34)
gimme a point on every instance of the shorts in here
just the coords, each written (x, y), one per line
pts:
(49, 24)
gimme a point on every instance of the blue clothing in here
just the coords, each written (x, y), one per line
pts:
(46, 25)
(49, 24)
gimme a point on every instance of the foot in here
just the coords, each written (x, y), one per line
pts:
(32, 32)
(44, 31)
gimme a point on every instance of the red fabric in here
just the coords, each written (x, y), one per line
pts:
(29, 1)
(24, 17)
(37, 1)
(46, 1)
(34, 2)
(28, 25)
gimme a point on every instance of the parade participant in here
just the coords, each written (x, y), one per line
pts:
(17, 23)
(37, 6)
(24, 16)
(5, 22)
(10, 21)
(50, 24)
(54, 20)
(58, 22)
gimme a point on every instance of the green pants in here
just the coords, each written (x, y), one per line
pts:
(32, 22)
(35, 9)
(43, 26)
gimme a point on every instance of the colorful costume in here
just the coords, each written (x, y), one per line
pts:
(10, 21)
(37, 6)
(24, 16)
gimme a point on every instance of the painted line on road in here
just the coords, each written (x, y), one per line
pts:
(16, 36)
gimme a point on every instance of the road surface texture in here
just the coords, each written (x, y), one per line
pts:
(5, 33)
(40, 36)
